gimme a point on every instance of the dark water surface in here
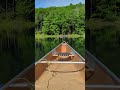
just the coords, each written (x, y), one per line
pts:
(104, 43)
(43, 46)
(16, 53)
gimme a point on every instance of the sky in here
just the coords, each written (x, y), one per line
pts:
(49, 3)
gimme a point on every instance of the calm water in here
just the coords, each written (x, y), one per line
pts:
(105, 45)
(43, 46)
(16, 53)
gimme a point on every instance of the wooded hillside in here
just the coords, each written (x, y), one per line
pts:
(60, 20)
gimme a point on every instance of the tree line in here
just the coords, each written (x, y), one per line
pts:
(17, 9)
(60, 20)
(103, 9)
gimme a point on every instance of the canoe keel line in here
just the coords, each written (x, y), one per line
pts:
(65, 69)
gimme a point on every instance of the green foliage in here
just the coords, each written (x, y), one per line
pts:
(104, 9)
(18, 14)
(60, 20)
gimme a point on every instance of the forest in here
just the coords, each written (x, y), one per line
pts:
(15, 13)
(102, 10)
(60, 20)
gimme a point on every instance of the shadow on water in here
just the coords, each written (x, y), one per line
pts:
(43, 46)
(105, 45)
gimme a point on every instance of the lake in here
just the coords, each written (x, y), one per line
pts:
(16, 53)
(104, 43)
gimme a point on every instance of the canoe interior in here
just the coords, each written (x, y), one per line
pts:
(100, 76)
(60, 76)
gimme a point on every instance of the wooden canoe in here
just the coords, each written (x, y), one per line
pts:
(61, 69)
(64, 69)
(99, 76)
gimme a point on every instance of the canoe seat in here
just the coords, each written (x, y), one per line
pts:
(63, 54)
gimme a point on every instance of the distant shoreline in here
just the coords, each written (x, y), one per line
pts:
(38, 36)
